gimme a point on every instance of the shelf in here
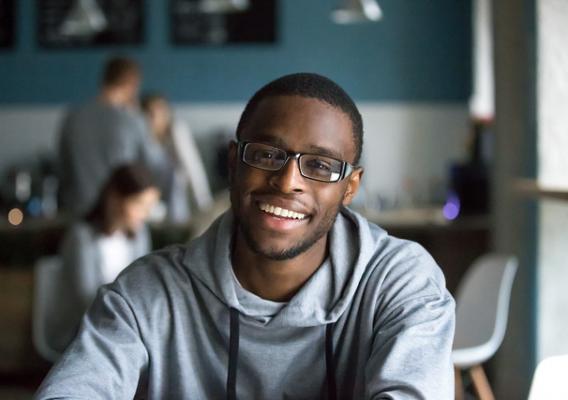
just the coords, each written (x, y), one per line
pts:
(531, 188)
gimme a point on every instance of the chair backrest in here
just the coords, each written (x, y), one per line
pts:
(482, 302)
(549, 381)
(47, 280)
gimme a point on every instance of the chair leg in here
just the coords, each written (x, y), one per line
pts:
(480, 383)
(458, 384)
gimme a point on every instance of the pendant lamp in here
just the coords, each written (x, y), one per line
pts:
(353, 11)
(223, 6)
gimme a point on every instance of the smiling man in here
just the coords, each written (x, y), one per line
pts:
(289, 295)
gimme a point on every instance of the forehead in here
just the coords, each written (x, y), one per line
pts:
(301, 124)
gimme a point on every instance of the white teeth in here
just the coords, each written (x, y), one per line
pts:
(281, 212)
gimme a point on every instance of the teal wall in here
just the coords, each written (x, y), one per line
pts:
(420, 51)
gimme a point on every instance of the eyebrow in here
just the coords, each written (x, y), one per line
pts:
(313, 149)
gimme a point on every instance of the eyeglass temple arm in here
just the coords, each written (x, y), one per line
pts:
(347, 169)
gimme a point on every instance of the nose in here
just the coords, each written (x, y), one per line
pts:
(288, 179)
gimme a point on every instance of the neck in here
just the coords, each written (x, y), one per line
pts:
(271, 279)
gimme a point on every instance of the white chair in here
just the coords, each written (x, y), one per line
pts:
(549, 381)
(482, 307)
(47, 280)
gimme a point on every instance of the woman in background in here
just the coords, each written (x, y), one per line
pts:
(96, 249)
(190, 184)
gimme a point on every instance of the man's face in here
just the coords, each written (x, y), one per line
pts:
(298, 124)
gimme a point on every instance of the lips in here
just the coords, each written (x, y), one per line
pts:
(281, 212)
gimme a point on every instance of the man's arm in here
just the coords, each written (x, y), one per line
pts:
(107, 358)
(411, 354)
(413, 334)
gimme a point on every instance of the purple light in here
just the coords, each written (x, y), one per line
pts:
(451, 209)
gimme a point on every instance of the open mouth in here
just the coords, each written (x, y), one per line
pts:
(281, 212)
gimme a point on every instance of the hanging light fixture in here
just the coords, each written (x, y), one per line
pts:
(352, 11)
(223, 6)
(85, 19)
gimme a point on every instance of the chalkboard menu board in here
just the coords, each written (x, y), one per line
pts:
(191, 26)
(78, 23)
(7, 18)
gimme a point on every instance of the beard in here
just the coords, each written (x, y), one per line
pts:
(297, 248)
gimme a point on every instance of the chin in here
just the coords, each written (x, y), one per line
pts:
(259, 245)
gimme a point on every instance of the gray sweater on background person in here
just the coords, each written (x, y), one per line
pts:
(96, 138)
(375, 320)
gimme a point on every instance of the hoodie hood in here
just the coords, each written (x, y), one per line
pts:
(322, 299)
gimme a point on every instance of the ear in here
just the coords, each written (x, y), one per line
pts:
(352, 186)
(232, 160)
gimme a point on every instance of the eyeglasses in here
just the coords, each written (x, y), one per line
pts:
(312, 166)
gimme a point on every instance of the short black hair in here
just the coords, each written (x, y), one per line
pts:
(314, 86)
(119, 69)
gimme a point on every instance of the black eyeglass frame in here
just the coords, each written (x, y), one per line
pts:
(346, 168)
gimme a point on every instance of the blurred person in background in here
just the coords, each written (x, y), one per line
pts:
(99, 246)
(104, 133)
(190, 188)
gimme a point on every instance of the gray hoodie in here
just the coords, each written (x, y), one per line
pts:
(373, 322)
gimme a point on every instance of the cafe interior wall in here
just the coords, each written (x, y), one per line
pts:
(552, 173)
(410, 74)
(531, 123)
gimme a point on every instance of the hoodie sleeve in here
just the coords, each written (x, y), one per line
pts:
(106, 360)
(413, 335)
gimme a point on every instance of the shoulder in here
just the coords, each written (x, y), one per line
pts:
(79, 248)
(410, 285)
(398, 266)
(408, 263)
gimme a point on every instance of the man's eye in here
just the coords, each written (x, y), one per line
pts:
(264, 155)
(317, 164)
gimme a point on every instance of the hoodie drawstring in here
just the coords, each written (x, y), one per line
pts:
(329, 363)
(234, 356)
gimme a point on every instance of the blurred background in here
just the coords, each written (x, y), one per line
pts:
(463, 104)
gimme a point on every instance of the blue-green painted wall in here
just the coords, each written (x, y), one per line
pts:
(420, 51)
